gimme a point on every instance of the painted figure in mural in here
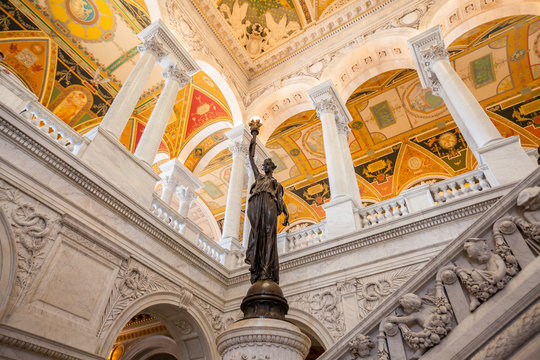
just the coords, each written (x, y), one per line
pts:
(265, 205)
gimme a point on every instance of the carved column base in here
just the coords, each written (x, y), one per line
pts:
(269, 339)
(264, 299)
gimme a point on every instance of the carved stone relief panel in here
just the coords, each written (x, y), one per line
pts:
(325, 305)
(213, 315)
(134, 281)
(35, 228)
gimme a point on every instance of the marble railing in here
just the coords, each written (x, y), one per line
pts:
(486, 274)
(188, 229)
(459, 186)
(310, 235)
(383, 211)
(50, 124)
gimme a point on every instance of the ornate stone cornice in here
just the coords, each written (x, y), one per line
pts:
(174, 73)
(426, 49)
(326, 99)
(158, 31)
(50, 158)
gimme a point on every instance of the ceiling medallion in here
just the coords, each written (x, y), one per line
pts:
(88, 20)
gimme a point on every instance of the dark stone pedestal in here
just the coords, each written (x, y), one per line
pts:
(264, 299)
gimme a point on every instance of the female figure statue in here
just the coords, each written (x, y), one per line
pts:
(265, 205)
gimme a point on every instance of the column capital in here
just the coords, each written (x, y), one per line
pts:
(427, 48)
(185, 194)
(239, 149)
(159, 31)
(326, 99)
(174, 73)
(343, 128)
(154, 47)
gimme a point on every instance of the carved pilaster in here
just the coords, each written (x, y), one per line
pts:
(428, 48)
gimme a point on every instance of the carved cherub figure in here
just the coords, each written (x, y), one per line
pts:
(487, 275)
(433, 315)
(361, 346)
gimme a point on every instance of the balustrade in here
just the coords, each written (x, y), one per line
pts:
(459, 186)
(294, 240)
(50, 124)
(188, 229)
(383, 211)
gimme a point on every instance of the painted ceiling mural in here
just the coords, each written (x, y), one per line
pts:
(74, 55)
(402, 135)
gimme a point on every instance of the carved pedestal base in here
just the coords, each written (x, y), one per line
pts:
(264, 299)
(268, 339)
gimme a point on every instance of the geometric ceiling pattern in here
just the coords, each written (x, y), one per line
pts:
(75, 55)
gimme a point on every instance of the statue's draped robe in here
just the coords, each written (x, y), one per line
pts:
(265, 205)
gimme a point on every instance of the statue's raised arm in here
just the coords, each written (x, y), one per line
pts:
(254, 125)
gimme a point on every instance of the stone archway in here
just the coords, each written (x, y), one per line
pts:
(185, 326)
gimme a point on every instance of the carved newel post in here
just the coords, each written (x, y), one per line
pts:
(263, 332)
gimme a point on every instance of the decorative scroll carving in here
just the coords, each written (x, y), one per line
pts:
(184, 326)
(529, 201)
(432, 313)
(214, 316)
(326, 106)
(374, 289)
(33, 232)
(490, 272)
(323, 304)
(133, 282)
(360, 347)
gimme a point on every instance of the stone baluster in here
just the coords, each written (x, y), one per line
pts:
(482, 137)
(175, 79)
(117, 116)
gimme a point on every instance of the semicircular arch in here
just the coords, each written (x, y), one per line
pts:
(309, 324)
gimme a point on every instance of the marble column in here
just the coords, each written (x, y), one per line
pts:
(148, 145)
(233, 208)
(342, 211)
(344, 131)
(489, 147)
(168, 185)
(185, 198)
(124, 103)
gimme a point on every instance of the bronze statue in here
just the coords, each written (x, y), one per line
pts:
(264, 299)
(265, 205)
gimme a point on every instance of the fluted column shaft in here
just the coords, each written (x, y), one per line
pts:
(155, 128)
(124, 103)
(233, 209)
